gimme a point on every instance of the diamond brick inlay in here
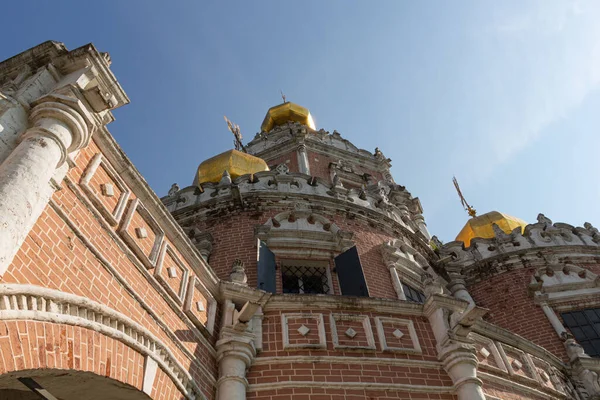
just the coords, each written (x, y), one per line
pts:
(303, 330)
(398, 333)
(350, 333)
(517, 365)
(484, 352)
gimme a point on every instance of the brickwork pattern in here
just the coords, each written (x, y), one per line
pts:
(512, 308)
(31, 345)
(54, 256)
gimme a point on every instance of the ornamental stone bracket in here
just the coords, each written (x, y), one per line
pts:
(241, 334)
(457, 352)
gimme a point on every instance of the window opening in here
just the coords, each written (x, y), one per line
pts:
(585, 327)
(413, 294)
(304, 279)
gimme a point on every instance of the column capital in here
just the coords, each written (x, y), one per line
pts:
(236, 345)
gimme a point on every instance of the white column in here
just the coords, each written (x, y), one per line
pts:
(556, 324)
(234, 355)
(303, 165)
(56, 130)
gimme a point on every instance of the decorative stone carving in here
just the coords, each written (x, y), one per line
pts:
(238, 273)
(282, 169)
(173, 190)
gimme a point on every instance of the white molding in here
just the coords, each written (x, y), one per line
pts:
(399, 362)
(491, 346)
(112, 217)
(35, 303)
(148, 259)
(366, 324)
(485, 376)
(320, 330)
(179, 295)
(416, 349)
(400, 387)
(211, 312)
(147, 307)
(523, 358)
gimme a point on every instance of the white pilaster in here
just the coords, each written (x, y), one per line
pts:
(56, 130)
(303, 164)
(235, 353)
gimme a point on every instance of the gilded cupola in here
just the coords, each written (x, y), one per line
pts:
(235, 162)
(482, 226)
(286, 112)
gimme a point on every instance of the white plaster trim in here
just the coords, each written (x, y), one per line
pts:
(177, 296)
(524, 359)
(400, 387)
(151, 259)
(320, 329)
(188, 306)
(416, 349)
(35, 303)
(366, 324)
(492, 348)
(150, 369)
(518, 386)
(112, 217)
(148, 308)
(295, 302)
(571, 295)
(400, 362)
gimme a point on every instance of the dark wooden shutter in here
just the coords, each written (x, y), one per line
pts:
(266, 268)
(350, 274)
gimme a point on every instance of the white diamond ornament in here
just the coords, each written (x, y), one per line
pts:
(303, 330)
(484, 352)
(517, 365)
(350, 333)
(398, 333)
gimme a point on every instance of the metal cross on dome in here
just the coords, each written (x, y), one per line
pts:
(472, 212)
(235, 129)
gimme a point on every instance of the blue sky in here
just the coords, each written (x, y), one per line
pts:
(502, 94)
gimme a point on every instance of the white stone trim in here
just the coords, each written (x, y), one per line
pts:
(320, 329)
(524, 359)
(400, 387)
(211, 306)
(493, 349)
(147, 307)
(179, 295)
(112, 217)
(399, 362)
(416, 349)
(366, 324)
(151, 259)
(485, 376)
(35, 303)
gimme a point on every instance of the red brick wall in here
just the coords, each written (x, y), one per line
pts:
(511, 307)
(32, 345)
(233, 237)
(54, 256)
(337, 372)
(290, 159)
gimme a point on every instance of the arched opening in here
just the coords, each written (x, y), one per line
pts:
(58, 384)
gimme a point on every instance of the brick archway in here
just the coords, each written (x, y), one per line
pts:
(59, 352)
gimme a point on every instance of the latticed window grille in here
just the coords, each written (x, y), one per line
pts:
(413, 294)
(585, 326)
(304, 279)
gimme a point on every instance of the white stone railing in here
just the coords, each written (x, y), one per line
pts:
(29, 302)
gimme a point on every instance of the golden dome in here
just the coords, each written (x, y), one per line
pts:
(233, 161)
(481, 226)
(286, 112)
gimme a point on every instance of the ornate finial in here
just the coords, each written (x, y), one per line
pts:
(174, 189)
(235, 129)
(238, 272)
(472, 212)
(283, 96)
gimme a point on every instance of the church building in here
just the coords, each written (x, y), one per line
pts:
(293, 267)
